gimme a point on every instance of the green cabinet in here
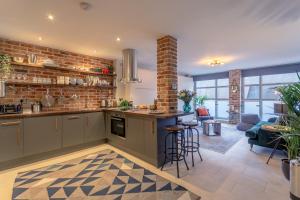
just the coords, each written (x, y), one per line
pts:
(73, 130)
(42, 134)
(11, 139)
(94, 128)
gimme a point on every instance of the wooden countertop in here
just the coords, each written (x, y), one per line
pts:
(142, 113)
(48, 113)
(145, 113)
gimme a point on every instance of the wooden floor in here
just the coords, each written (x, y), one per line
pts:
(237, 174)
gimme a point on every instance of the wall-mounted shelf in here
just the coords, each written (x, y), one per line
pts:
(61, 85)
(63, 69)
(26, 65)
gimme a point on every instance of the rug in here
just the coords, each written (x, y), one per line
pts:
(221, 144)
(105, 175)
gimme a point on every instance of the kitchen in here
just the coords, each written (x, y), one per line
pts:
(79, 113)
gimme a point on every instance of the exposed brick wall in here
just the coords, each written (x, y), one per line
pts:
(234, 96)
(89, 96)
(167, 73)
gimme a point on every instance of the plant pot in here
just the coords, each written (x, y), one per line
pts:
(285, 167)
(187, 107)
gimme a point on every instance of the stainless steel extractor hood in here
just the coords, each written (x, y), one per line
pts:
(129, 70)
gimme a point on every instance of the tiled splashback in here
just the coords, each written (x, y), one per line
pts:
(89, 97)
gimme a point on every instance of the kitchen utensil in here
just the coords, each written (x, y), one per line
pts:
(61, 97)
(32, 58)
(74, 96)
(73, 81)
(47, 100)
(67, 80)
(26, 106)
(18, 59)
(103, 103)
(2, 88)
(79, 81)
(156, 112)
(36, 107)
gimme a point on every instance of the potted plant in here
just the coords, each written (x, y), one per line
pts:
(5, 67)
(290, 95)
(186, 96)
(199, 100)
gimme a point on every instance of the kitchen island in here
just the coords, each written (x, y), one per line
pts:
(46, 133)
(143, 134)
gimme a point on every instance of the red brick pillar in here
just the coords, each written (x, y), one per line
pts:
(234, 96)
(167, 73)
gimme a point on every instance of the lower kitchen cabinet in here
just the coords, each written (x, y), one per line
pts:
(42, 134)
(149, 129)
(94, 128)
(73, 130)
(135, 137)
(11, 139)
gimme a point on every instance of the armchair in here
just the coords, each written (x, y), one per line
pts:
(202, 118)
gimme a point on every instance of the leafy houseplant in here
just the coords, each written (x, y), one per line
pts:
(124, 104)
(290, 95)
(199, 100)
(5, 66)
(186, 96)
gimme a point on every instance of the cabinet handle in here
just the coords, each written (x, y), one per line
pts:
(73, 117)
(10, 123)
(152, 127)
(18, 136)
(56, 124)
(87, 121)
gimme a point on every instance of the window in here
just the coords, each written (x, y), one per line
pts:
(217, 92)
(259, 93)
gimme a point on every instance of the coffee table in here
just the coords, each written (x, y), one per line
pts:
(216, 127)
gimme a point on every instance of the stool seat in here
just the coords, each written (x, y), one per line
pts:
(174, 128)
(191, 124)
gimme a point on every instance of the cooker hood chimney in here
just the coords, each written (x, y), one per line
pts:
(129, 70)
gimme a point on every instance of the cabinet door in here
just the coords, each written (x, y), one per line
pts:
(94, 128)
(42, 134)
(11, 139)
(149, 130)
(73, 131)
(134, 135)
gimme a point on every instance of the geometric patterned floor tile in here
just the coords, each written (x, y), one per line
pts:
(103, 175)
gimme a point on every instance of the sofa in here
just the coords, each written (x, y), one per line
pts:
(258, 136)
(248, 121)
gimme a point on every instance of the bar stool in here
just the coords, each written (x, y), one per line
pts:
(191, 145)
(175, 155)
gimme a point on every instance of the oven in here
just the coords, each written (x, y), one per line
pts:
(118, 125)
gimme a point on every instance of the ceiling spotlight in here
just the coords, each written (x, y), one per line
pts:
(118, 39)
(40, 38)
(215, 62)
(50, 17)
(85, 5)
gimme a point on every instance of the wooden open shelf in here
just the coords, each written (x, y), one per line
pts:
(63, 69)
(27, 65)
(61, 85)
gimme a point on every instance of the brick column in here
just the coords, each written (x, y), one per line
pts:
(167, 73)
(234, 96)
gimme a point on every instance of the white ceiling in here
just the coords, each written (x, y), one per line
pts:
(245, 33)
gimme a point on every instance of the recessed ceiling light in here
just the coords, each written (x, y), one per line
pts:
(118, 39)
(95, 51)
(50, 17)
(40, 38)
